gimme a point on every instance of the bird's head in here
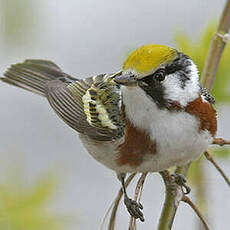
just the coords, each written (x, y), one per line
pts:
(164, 74)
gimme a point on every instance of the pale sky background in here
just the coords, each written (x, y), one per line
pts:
(86, 37)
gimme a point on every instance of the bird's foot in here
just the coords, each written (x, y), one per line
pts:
(134, 208)
(181, 181)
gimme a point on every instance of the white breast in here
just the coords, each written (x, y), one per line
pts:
(176, 133)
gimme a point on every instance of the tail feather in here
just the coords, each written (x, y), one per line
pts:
(33, 75)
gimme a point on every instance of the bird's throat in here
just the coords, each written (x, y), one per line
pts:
(139, 109)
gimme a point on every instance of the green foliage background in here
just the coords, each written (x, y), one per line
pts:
(25, 207)
(198, 51)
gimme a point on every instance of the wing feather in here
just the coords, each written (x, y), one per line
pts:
(206, 95)
(88, 117)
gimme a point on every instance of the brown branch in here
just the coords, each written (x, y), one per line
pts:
(211, 159)
(138, 192)
(196, 210)
(117, 201)
(220, 141)
(216, 49)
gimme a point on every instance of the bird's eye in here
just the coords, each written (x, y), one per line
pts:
(159, 75)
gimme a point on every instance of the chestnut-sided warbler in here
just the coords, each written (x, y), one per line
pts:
(151, 115)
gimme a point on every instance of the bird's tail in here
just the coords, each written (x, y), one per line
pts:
(33, 75)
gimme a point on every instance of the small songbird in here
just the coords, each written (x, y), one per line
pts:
(151, 115)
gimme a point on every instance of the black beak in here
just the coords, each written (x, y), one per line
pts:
(127, 79)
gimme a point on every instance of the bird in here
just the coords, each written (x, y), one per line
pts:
(148, 116)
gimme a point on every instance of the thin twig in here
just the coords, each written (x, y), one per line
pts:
(220, 141)
(106, 215)
(211, 159)
(196, 210)
(117, 201)
(138, 191)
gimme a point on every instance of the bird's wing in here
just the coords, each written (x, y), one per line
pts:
(207, 96)
(91, 106)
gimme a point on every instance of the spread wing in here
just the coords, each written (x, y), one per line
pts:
(91, 106)
(207, 96)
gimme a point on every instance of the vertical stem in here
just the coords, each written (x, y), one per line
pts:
(216, 49)
(201, 191)
(173, 196)
(168, 212)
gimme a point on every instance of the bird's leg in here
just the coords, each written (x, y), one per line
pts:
(180, 180)
(133, 207)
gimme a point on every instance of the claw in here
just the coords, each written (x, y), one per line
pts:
(181, 181)
(133, 208)
(140, 206)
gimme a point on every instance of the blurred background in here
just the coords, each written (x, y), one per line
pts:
(47, 179)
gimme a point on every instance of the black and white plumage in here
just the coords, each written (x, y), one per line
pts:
(207, 96)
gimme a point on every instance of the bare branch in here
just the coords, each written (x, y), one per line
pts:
(117, 201)
(138, 192)
(174, 194)
(220, 141)
(216, 49)
(196, 210)
(210, 158)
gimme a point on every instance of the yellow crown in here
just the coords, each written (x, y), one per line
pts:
(148, 57)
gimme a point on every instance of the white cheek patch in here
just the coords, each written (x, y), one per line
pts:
(174, 91)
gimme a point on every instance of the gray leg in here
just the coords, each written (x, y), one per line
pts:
(132, 206)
